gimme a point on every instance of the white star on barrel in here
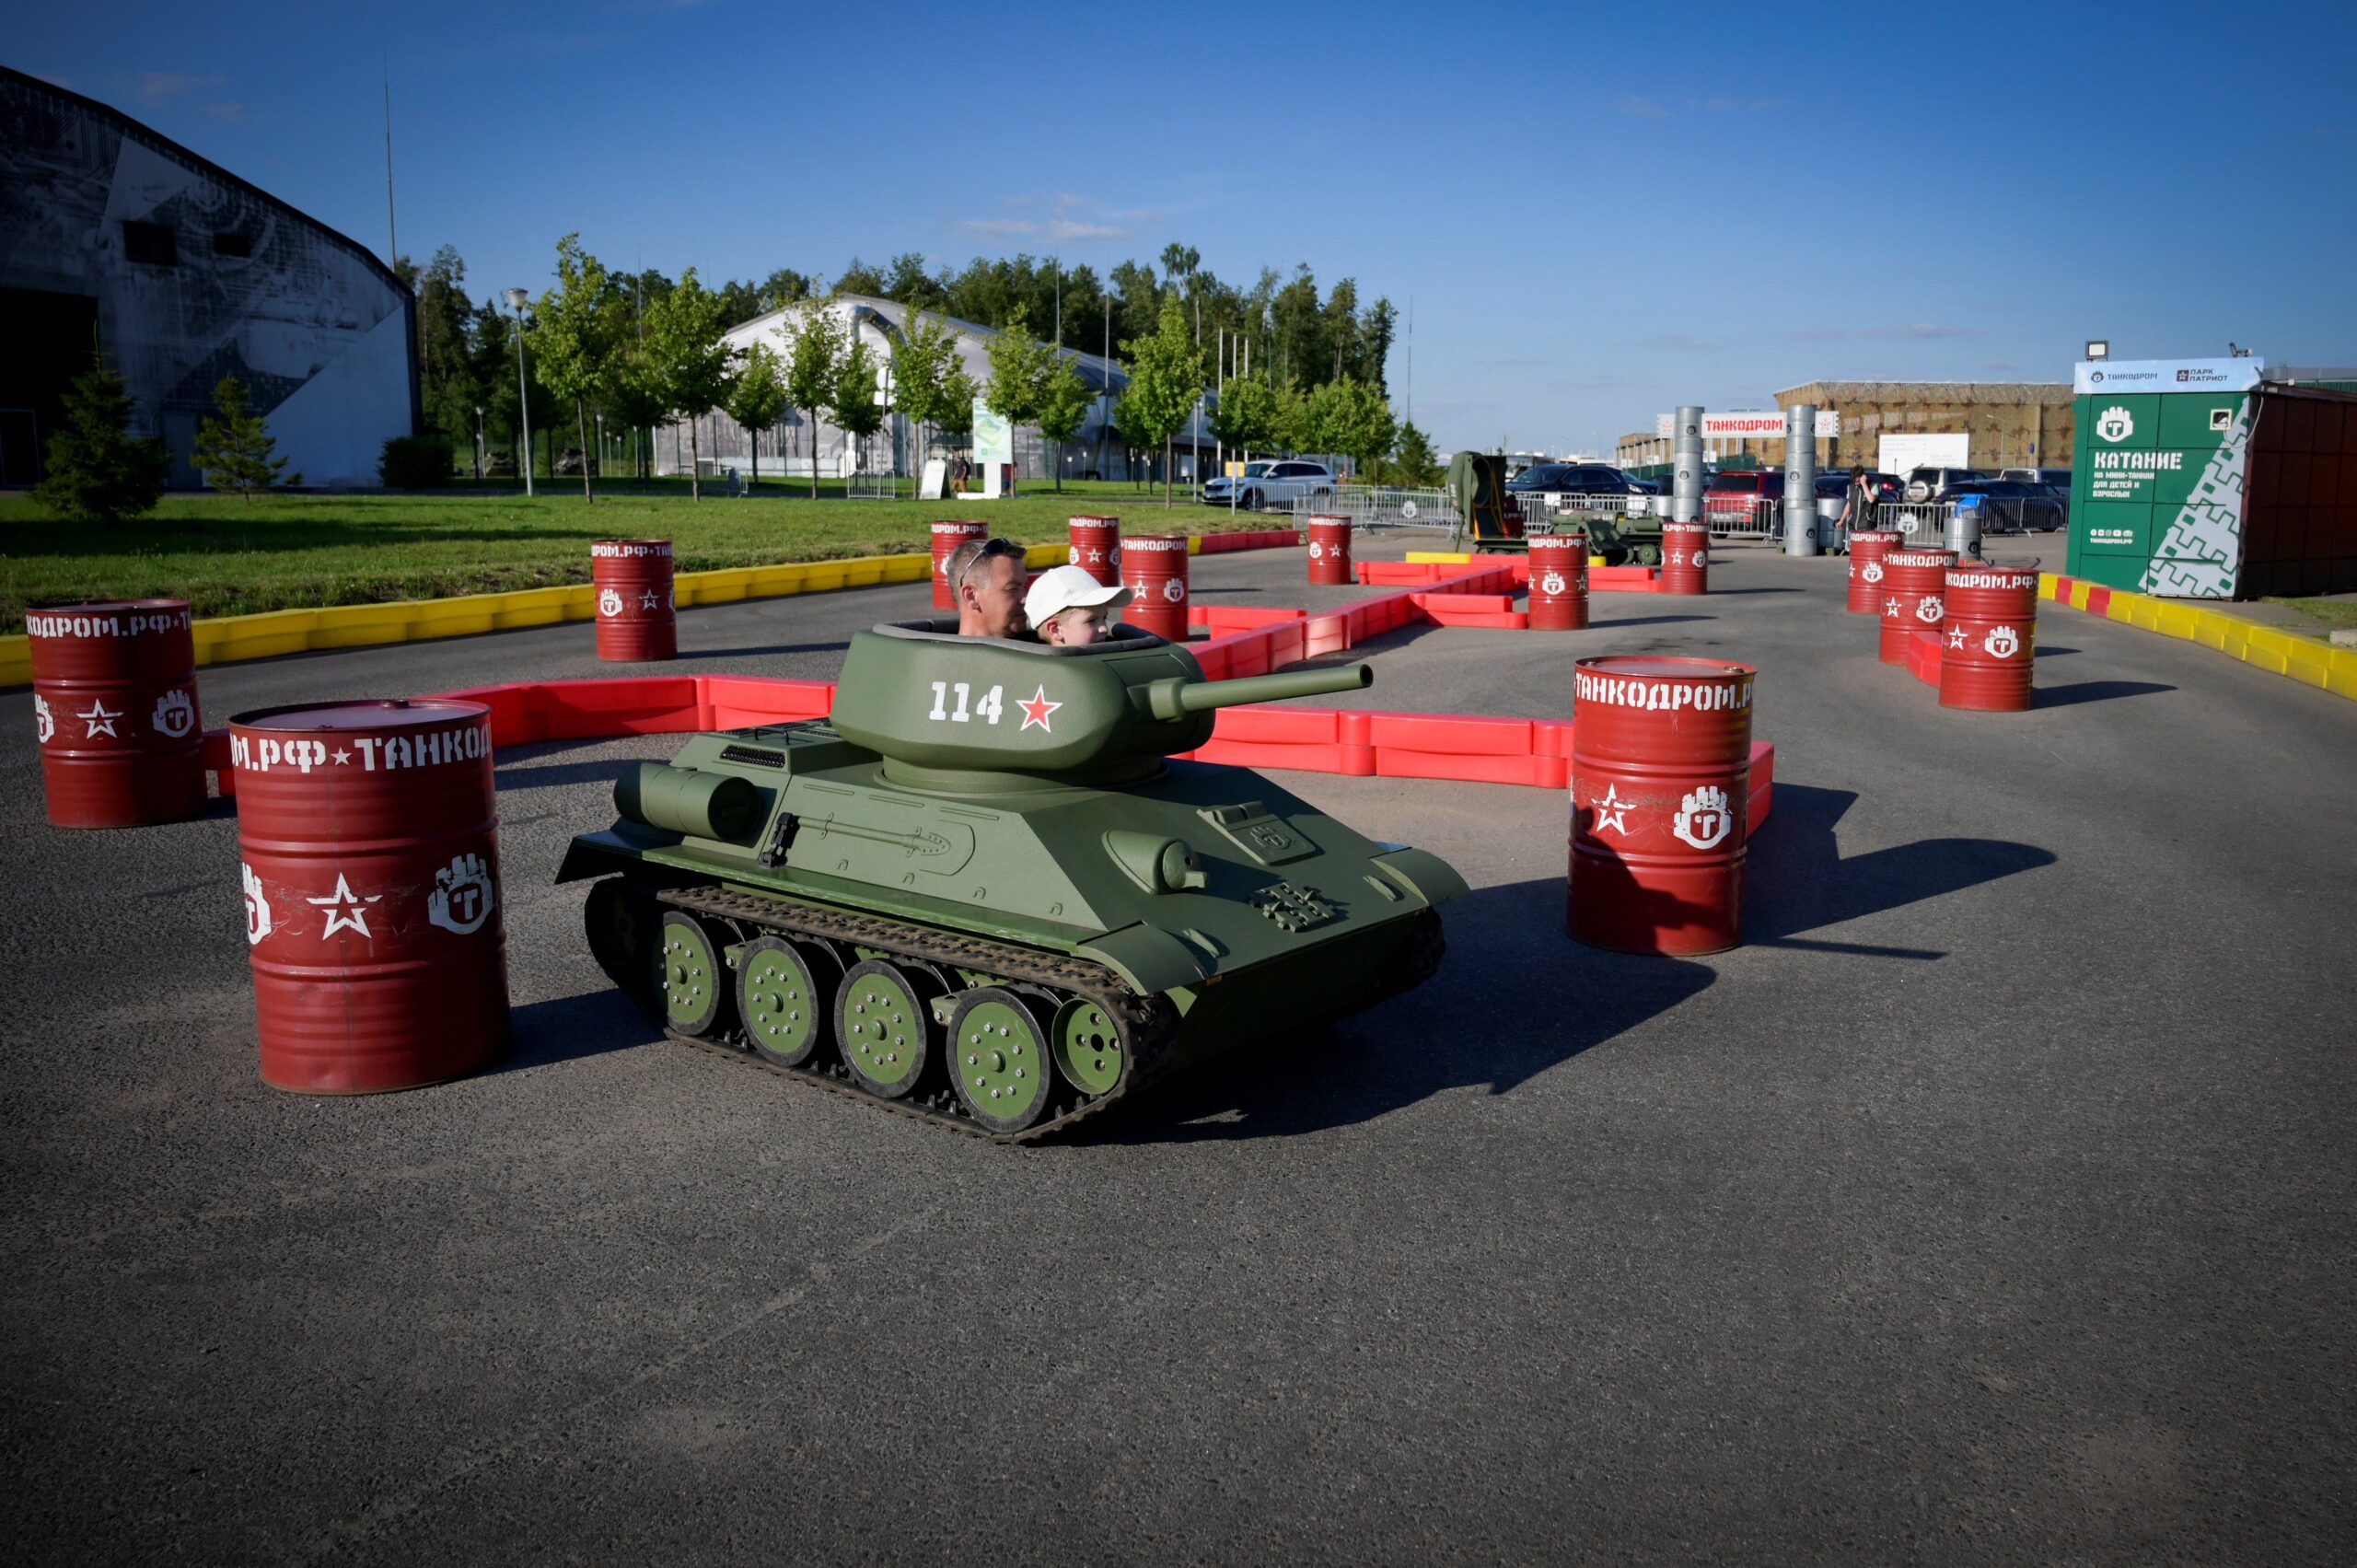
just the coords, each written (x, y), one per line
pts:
(346, 910)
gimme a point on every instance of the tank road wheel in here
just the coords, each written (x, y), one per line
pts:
(620, 926)
(998, 1057)
(695, 983)
(782, 993)
(1087, 1046)
(883, 1026)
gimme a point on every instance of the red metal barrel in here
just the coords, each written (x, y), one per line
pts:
(1155, 567)
(946, 538)
(371, 866)
(1330, 551)
(1558, 582)
(1991, 637)
(115, 712)
(1867, 549)
(635, 618)
(1661, 795)
(1685, 558)
(1096, 547)
(1911, 601)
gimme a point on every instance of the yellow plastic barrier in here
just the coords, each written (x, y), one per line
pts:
(2281, 653)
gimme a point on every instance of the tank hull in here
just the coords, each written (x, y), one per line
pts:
(1198, 909)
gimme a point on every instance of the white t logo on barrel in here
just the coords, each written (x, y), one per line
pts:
(1703, 817)
(2003, 642)
(610, 603)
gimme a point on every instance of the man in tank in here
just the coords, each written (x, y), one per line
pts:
(989, 580)
(1069, 608)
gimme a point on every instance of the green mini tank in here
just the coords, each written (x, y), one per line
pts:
(983, 893)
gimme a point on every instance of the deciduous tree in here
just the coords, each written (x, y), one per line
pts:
(1166, 377)
(577, 329)
(1247, 415)
(1019, 366)
(687, 361)
(812, 365)
(852, 403)
(1063, 406)
(757, 397)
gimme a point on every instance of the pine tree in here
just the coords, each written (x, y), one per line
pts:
(236, 451)
(97, 470)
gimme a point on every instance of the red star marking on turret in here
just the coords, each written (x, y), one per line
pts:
(1035, 709)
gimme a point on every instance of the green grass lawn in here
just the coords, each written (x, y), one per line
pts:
(2329, 614)
(301, 551)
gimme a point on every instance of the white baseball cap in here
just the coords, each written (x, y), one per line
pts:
(1059, 589)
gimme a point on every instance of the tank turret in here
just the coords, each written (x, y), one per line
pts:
(929, 703)
(985, 892)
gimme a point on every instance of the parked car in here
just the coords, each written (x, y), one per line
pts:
(1272, 483)
(1937, 484)
(1577, 479)
(2013, 506)
(1742, 498)
(2060, 477)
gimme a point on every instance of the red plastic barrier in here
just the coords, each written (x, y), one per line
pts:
(1470, 604)
(1219, 620)
(593, 709)
(1623, 580)
(1923, 655)
(1763, 784)
(1398, 762)
(1274, 725)
(220, 771)
(1456, 734)
(514, 710)
(739, 702)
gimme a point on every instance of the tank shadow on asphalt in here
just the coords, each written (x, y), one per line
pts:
(2089, 690)
(1599, 625)
(515, 775)
(566, 1029)
(1430, 1041)
(1797, 879)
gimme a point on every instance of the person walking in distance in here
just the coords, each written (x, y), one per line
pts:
(1857, 503)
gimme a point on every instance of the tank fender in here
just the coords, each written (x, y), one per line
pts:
(1151, 959)
(585, 857)
(1423, 874)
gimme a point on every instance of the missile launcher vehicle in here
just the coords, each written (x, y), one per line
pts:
(984, 892)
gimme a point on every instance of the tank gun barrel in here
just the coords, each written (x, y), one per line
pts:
(1172, 698)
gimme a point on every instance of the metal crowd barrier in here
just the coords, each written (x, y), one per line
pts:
(1381, 505)
(1744, 516)
(1922, 523)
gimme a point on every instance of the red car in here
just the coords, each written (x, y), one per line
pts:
(1744, 498)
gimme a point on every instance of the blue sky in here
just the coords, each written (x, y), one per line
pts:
(1598, 214)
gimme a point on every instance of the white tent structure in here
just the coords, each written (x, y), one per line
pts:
(785, 448)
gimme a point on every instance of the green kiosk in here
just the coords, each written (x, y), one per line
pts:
(2156, 496)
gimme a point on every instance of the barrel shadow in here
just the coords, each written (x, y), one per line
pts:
(2043, 697)
(1460, 1029)
(1796, 878)
(1596, 624)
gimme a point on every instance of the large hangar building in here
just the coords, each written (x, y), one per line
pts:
(181, 273)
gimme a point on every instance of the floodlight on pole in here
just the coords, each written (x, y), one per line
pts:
(2099, 348)
(517, 299)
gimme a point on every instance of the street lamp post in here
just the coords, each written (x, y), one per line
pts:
(477, 443)
(601, 445)
(517, 299)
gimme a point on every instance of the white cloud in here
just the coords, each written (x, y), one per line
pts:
(1916, 332)
(160, 86)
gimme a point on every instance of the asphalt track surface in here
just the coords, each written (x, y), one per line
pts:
(1993, 1204)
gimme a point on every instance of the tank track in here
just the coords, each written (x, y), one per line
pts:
(1148, 1024)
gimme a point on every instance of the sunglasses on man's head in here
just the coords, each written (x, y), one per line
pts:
(992, 548)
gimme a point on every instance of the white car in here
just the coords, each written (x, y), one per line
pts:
(1278, 481)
